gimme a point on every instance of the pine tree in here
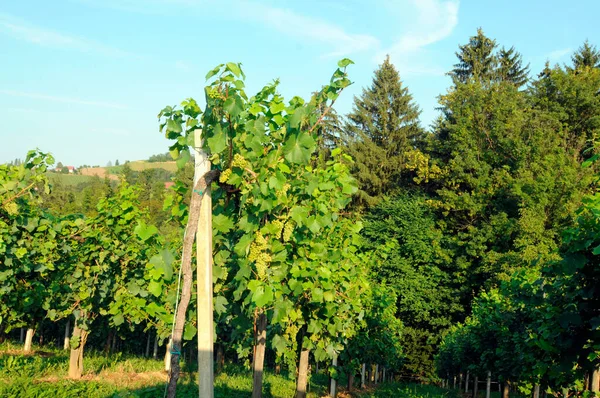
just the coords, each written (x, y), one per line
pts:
(382, 127)
(476, 59)
(571, 95)
(586, 55)
(510, 67)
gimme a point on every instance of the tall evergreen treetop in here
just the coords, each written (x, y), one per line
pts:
(586, 55)
(476, 59)
(510, 67)
(382, 127)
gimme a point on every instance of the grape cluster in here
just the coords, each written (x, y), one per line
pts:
(288, 230)
(286, 187)
(214, 93)
(278, 224)
(11, 208)
(225, 176)
(259, 255)
(239, 161)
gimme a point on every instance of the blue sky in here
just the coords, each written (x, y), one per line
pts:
(85, 79)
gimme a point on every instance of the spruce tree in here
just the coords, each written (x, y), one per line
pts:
(586, 55)
(382, 127)
(510, 67)
(476, 59)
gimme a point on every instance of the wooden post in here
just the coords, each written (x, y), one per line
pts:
(376, 373)
(155, 351)
(476, 387)
(467, 383)
(383, 377)
(333, 385)
(363, 372)
(28, 340)
(595, 387)
(67, 341)
(148, 340)
(454, 384)
(505, 389)
(536, 391)
(302, 374)
(168, 357)
(488, 390)
(259, 354)
(204, 270)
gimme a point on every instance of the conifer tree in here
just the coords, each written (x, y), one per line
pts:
(510, 67)
(382, 127)
(476, 59)
(571, 95)
(586, 55)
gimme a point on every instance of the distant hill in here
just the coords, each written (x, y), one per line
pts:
(68, 179)
(87, 173)
(137, 165)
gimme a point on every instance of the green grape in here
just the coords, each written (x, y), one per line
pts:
(288, 230)
(214, 93)
(261, 266)
(11, 208)
(278, 224)
(239, 161)
(254, 252)
(260, 240)
(225, 176)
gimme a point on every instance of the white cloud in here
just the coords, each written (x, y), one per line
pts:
(22, 30)
(435, 21)
(66, 100)
(558, 54)
(290, 23)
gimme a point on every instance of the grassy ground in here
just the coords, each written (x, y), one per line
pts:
(139, 165)
(43, 374)
(68, 179)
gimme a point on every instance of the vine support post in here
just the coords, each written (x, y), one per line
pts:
(67, 340)
(536, 391)
(476, 387)
(155, 350)
(488, 390)
(28, 339)
(204, 275)
(363, 372)
(333, 383)
(467, 383)
(595, 387)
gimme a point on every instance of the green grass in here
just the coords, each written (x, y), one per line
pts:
(68, 179)
(139, 165)
(43, 375)
(402, 390)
